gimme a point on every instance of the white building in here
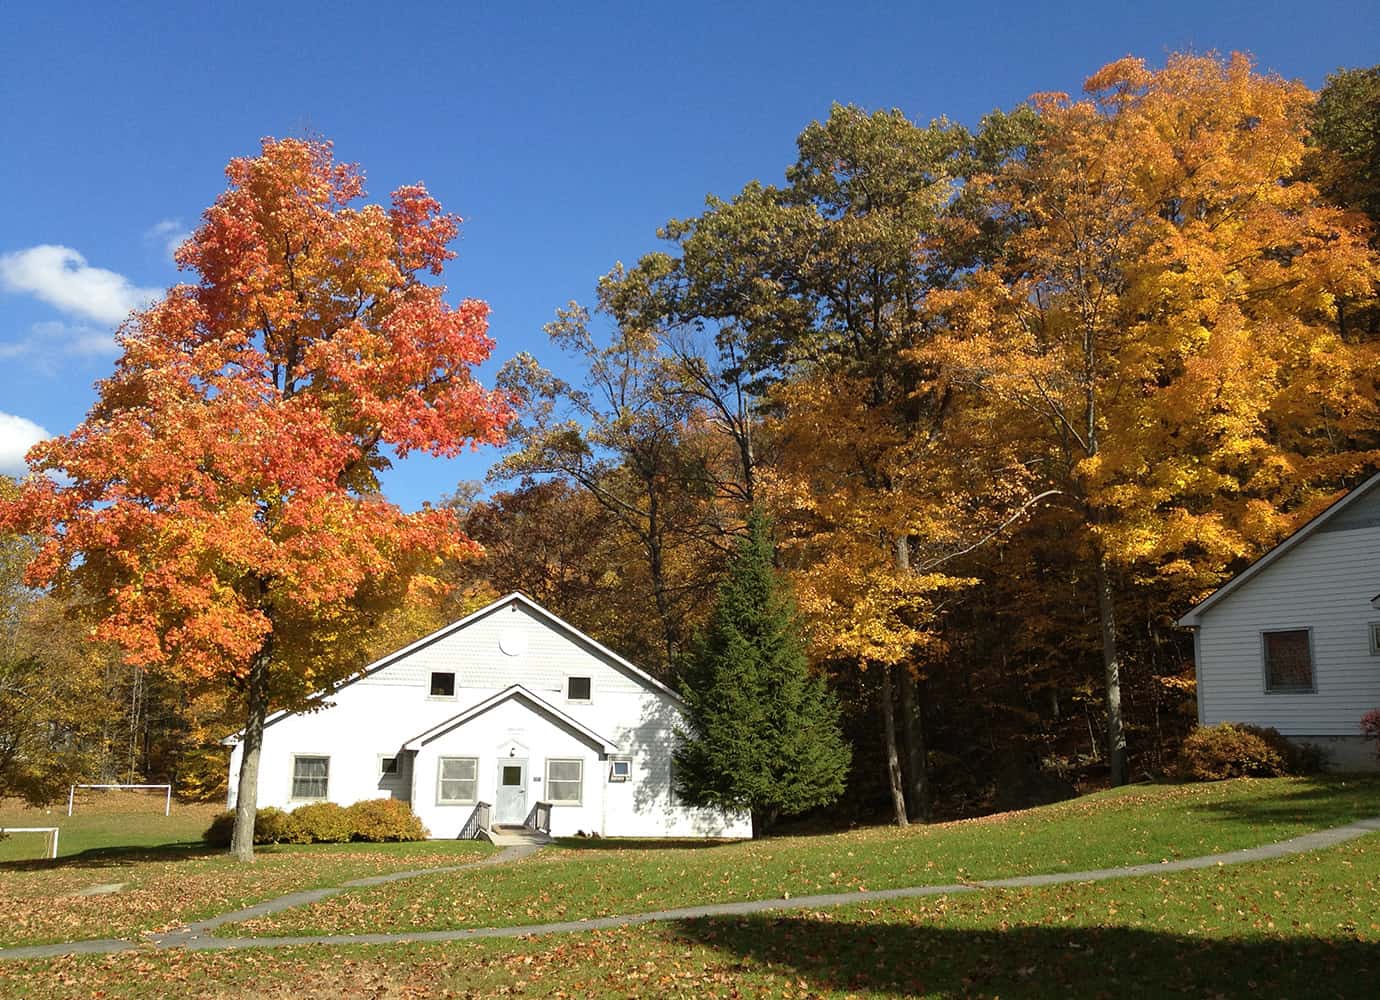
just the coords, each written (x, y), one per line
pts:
(509, 708)
(1293, 642)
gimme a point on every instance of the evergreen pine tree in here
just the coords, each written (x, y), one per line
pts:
(762, 731)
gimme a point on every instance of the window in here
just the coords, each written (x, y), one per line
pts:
(564, 781)
(1375, 638)
(457, 780)
(578, 689)
(442, 685)
(620, 768)
(388, 765)
(310, 777)
(1288, 660)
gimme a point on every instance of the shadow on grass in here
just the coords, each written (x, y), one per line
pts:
(1033, 961)
(110, 857)
(638, 844)
(1326, 800)
(196, 850)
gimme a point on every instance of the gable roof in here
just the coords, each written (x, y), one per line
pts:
(1194, 617)
(515, 598)
(515, 691)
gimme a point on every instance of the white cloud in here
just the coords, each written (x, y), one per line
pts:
(73, 338)
(51, 340)
(17, 436)
(171, 233)
(61, 277)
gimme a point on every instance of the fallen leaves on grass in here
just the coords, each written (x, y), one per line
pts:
(1131, 826)
(40, 904)
(1298, 926)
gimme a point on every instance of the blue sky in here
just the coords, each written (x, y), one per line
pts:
(563, 133)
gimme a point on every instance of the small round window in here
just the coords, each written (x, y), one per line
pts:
(512, 642)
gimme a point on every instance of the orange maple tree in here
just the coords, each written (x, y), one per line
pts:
(221, 501)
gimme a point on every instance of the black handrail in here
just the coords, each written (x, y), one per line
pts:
(478, 823)
(539, 818)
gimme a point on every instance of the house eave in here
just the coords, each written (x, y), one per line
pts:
(1194, 617)
(514, 691)
(516, 597)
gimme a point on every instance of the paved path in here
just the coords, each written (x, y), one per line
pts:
(192, 938)
(190, 934)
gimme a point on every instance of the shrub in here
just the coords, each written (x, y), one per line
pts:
(385, 819)
(220, 831)
(1370, 727)
(323, 823)
(1299, 758)
(271, 826)
(1235, 750)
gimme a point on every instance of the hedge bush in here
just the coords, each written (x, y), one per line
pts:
(1236, 750)
(375, 820)
(379, 820)
(324, 823)
(271, 826)
(1370, 727)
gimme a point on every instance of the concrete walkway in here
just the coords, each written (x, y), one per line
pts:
(193, 940)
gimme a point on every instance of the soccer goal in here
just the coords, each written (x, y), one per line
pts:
(104, 791)
(51, 831)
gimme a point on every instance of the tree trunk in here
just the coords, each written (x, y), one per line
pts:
(247, 795)
(746, 457)
(912, 723)
(1111, 665)
(916, 769)
(657, 568)
(762, 821)
(893, 759)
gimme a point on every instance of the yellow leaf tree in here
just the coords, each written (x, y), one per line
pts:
(1161, 336)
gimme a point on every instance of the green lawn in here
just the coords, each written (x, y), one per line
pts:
(587, 879)
(130, 821)
(1304, 926)
(169, 876)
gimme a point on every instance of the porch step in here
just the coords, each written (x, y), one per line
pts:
(515, 836)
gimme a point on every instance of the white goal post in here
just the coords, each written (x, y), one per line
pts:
(52, 840)
(167, 802)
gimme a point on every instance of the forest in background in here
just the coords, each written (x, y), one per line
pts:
(1014, 395)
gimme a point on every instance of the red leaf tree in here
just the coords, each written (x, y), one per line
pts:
(220, 505)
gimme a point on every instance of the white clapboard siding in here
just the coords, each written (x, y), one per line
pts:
(512, 644)
(1325, 583)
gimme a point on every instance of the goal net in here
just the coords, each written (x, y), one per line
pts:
(119, 799)
(26, 848)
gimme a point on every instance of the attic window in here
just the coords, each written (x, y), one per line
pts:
(443, 685)
(578, 689)
(1288, 660)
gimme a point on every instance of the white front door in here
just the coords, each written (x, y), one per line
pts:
(510, 802)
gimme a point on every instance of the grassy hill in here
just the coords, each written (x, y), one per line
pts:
(1303, 925)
